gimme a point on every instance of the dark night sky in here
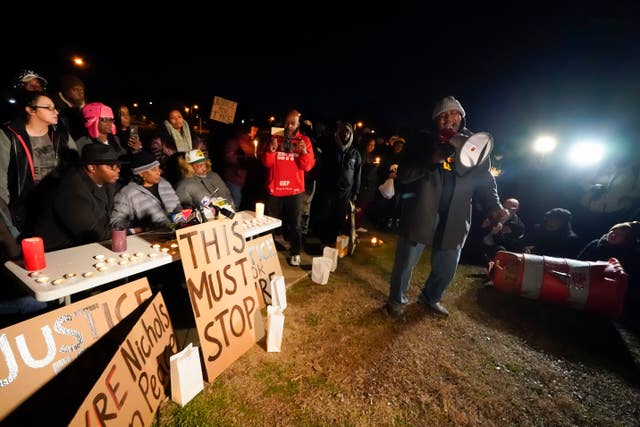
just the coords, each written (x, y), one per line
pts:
(565, 70)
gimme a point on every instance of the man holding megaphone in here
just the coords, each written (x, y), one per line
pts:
(443, 169)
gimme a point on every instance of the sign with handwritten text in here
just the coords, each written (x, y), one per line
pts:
(223, 297)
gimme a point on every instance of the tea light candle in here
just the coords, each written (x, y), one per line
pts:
(374, 241)
(99, 257)
(33, 254)
(155, 246)
(58, 282)
(376, 161)
(174, 245)
(259, 210)
(43, 279)
(69, 275)
(165, 250)
(87, 274)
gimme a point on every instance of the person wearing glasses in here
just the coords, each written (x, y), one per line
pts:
(32, 147)
(99, 121)
(78, 211)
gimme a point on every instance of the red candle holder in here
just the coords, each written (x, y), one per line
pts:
(33, 254)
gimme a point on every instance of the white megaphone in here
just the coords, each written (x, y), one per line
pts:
(471, 151)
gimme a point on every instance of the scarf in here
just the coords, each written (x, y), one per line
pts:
(182, 137)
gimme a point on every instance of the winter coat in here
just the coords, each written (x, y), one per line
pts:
(424, 181)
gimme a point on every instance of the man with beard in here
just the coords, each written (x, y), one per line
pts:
(286, 159)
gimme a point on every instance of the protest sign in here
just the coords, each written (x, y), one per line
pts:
(34, 351)
(133, 384)
(223, 296)
(223, 110)
(265, 264)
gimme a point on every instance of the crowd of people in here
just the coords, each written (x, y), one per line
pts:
(70, 170)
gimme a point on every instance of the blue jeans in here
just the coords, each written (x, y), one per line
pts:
(443, 268)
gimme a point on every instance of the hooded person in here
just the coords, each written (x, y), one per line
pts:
(98, 121)
(339, 181)
(438, 197)
(555, 236)
(148, 201)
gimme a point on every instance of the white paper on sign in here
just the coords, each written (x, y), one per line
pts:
(186, 375)
(332, 254)
(275, 328)
(278, 292)
(320, 270)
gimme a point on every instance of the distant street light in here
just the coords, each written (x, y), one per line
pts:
(78, 61)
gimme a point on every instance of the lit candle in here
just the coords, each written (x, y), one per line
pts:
(33, 254)
(255, 147)
(374, 241)
(377, 161)
(259, 210)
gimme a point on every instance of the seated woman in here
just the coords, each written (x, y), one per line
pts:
(199, 181)
(621, 242)
(148, 200)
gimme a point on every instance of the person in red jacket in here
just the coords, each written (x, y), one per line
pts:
(286, 159)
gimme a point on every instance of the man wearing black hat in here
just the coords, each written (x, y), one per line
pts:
(79, 211)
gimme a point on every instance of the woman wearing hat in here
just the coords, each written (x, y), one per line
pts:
(199, 181)
(147, 201)
(99, 121)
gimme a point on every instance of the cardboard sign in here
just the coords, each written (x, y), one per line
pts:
(265, 264)
(277, 131)
(133, 385)
(223, 297)
(223, 110)
(34, 351)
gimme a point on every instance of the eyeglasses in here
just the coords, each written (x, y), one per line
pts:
(106, 119)
(45, 107)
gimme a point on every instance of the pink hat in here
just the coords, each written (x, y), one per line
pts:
(92, 113)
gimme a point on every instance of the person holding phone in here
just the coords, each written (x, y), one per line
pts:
(287, 158)
(126, 132)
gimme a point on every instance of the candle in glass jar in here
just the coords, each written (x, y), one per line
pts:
(33, 253)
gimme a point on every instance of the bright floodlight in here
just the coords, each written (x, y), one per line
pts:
(586, 153)
(544, 144)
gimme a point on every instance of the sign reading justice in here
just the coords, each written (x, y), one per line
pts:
(34, 351)
(223, 295)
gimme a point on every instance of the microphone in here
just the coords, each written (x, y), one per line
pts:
(220, 205)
